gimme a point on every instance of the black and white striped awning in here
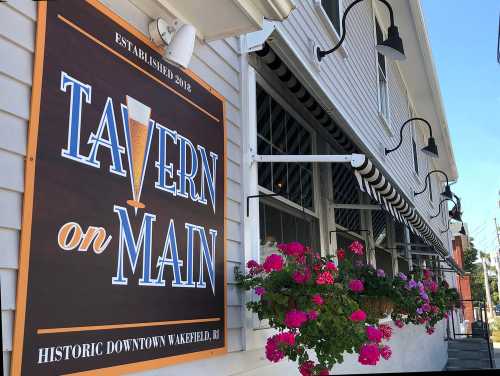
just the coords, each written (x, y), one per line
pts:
(370, 179)
(374, 183)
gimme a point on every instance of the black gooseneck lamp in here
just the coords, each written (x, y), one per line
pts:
(431, 148)
(456, 212)
(392, 47)
(447, 193)
(462, 230)
(439, 211)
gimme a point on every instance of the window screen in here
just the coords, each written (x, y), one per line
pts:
(403, 265)
(279, 133)
(284, 226)
(384, 261)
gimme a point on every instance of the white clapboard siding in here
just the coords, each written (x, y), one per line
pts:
(351, 85)
(17, 36)
(216, 62)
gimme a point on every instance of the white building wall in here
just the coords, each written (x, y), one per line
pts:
(351, 83)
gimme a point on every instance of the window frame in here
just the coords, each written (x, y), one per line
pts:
(384, 117)
(416, 144)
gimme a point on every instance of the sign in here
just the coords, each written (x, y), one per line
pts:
(122, 249)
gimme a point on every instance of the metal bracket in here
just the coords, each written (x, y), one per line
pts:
(307, 158)
(252, 42)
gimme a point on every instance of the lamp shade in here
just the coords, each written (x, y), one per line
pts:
(462, 230)
(455, 214)
(392, 47)
(447, 192)
(431, 149)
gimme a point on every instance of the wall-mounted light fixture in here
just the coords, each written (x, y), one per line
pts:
(456, 212)
(431, 148)
(392, 47)
(178, 37)
(439, 211)
(462, 230)
(447, 191)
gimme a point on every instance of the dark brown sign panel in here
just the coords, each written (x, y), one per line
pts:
(122, 250)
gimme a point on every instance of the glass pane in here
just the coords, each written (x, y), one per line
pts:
(403, 266)
(307, 189)
(379, 227)
(384, 261)
(331, 8)
(273, 225)
(289, 228)
(264, 169)
(294, 187)
(278, 130)
(262, 222)
(279, 174)
(293, 136)
(263, 114)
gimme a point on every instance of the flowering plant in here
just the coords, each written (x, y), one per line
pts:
(423, 301)
(300, 296)
(366, 284)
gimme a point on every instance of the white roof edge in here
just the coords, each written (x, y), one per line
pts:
(430, 68)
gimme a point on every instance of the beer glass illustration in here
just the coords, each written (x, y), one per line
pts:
(138, 135)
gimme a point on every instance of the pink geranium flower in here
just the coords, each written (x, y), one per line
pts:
(301, 277)
(386, 352)
(295, 319)
(307, 368)
(330, 266)
(312, 315)
(340, 254)
(358, 315)
(252, 264)
(317, 299)
(324, 278)
(369, 354)
(356, 285)
(373, 334)
(273, 351)
(356, 248)
(386, 331)
(399, 323)
(295, 249)
(430, 330)
(273, 262)
(275, 344)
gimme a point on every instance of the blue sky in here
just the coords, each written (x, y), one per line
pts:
(463, 36)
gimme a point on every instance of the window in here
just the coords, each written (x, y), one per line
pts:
(282, 224)
(430, 189)
(415, 155)
(383, 96)
(383, 259)
(279, 133)
(332, 9)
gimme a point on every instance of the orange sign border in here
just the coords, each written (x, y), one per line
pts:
(29, 181)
